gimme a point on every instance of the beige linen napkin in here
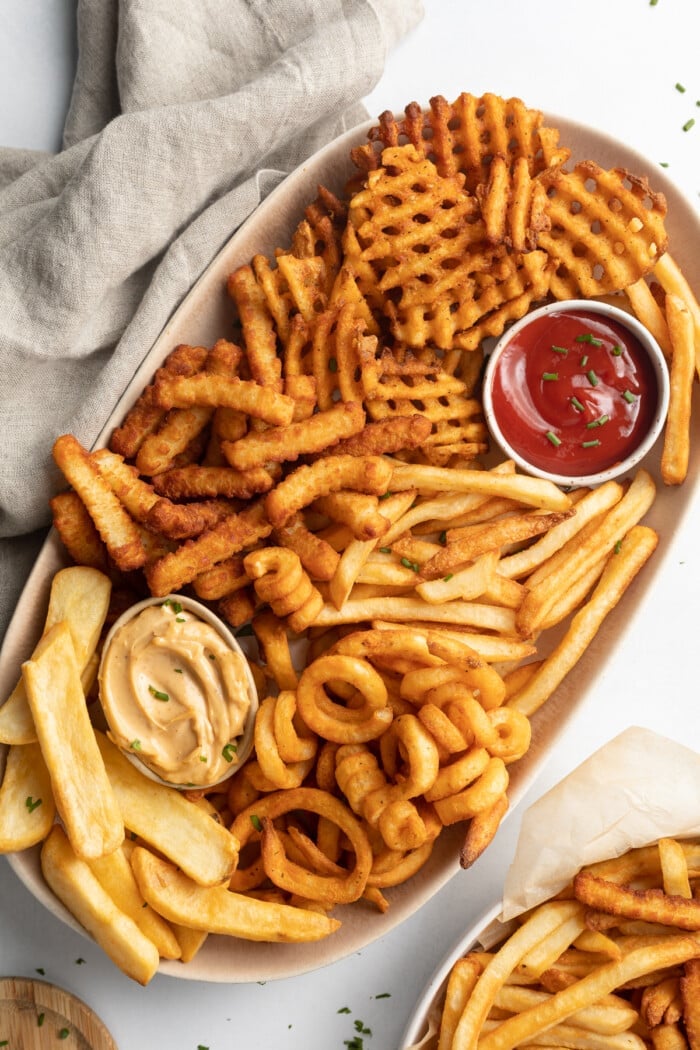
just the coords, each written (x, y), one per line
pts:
(183, 117)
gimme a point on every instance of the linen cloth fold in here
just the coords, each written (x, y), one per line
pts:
(183, 117)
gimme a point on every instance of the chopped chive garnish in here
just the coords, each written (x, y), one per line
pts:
(679, 87)
(618, 547)
(616, 350)
(332, 364)
(586, 337)
(385, 550)
(203, 758)
(592, 378)
(180, 619)
(178, 670)
(32, 803)
(229, 751)
(549, 377)
(159, 694)
(385, 495)
(590, 444)
(135, 745)
(442, 538)
(559, 349)
(408, 564)
(40, 1019)
(629, 397)
(175, 606)
(599, 422)
(577, 404)
(256, 822)
(689, 124)
(447, 578)
(663, 163)
(584, 360)
(64, 1033)
(552, 438)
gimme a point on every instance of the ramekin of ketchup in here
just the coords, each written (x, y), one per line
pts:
(577, 392)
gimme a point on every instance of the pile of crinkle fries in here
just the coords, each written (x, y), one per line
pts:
(320, 479)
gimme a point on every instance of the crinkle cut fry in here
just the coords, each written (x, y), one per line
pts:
(648, 905)
(113, 523)
(193, 557)
(370, 474)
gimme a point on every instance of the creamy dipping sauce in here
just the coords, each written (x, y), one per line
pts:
(175, 694)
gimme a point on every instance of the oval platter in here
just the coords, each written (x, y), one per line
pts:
(206, 315)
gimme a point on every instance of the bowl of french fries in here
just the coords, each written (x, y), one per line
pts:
(609, 955)
(304, 451)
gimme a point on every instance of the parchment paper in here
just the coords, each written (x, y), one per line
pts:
(638, 788)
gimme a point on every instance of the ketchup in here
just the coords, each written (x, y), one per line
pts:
(574, 393)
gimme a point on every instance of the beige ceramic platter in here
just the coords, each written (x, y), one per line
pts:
(204, 316)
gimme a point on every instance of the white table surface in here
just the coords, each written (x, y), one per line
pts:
(614, 66)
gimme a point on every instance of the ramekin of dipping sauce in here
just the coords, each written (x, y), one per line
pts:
(576, 392)
(177, 692)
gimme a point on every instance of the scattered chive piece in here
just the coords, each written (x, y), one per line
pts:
(135, 745)
(679, 87)
(616, 350)
(577, 404)
(618, 547)
(664, 163)
(550, 376)
(385, 495)
(385, 550)
(559, 349)
(344, 1010)
(256, 822)
(180, 619)
(79, 961)
(592, 378)
(599, 422)
(442, 538)
(408, 564)
(653, 3)
(588, 338)
(40, 970)
(211, 655)
(159, 695)
(63, 1033)
(584, 360)
(229, 751)
(332, 364)
(629, 397)
(178, 670)
(689, 124)
(202, 758)
(175, 606)
(552, 437)
(447, 578)
(383, 995)
(32, 803)
(590, 444)
(40, 1020)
